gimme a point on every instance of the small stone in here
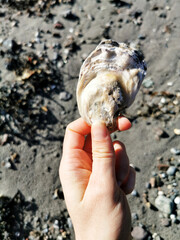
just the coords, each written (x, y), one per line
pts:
(56, 194)
(155, 236)
(148, 83)
(90, 17)
(56, 35)
(165, 222)
(148, 205)
(170, 84)
(171, 171)
(2, 13)
(59, 237)
(3, 139)
(134, 216)
(147, 185)
(70, 16)
(56, 224)
(45, 230)
(65, 96)
(37, 34)
(142, 37)
(160, 133)
(164, 204)
(163, 15)
(162, 167)
(17, 234)
(160, 193)
(7, 165)
(134, 193)
(139, 233)
(177, 131)
(163, 100)
(174, 184)
(158, 183)
(175, 151)
(177, 200)
(153, 182)
(69, 222)
(11, 44)
(154, 174)
(58, 25)
(176, 102)
(173, 218)
(163, 175)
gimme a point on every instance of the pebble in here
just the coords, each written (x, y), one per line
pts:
(69, 15)
(65, 96)
(162, 167)
(56, 224)
(173, 218)
(3, 139)
(175, 151)
(139, 233)
(56, 194)
(134, 193)
(160, 133)
(163, 175)
(163, 100)
(177, 131)
(59, 237)
(165, 222)
(169, 84)
(2, 13)
(177, 200)
(155, 236)
(148, 83)
(153, 182)
(159, 183)
(134, 216)
(175, 184)
(171, 171)
(147, 185)
(160, 193)
(7, 165)
(11, 44)
(58, 25)
(142, 37)
(164, 204)
(69, 222)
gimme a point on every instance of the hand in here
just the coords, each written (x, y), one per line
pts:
(95, 176)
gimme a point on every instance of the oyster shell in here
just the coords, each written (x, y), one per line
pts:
(109, 80)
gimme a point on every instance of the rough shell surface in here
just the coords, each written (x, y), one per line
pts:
(109, 80)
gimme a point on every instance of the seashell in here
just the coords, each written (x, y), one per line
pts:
(109, 80)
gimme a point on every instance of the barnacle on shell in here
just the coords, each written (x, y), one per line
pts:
(109, 80)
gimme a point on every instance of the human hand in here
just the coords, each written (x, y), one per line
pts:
(95, 176)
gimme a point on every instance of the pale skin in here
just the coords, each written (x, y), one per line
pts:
(96, 176)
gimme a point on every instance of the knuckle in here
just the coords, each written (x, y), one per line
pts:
(102, 154)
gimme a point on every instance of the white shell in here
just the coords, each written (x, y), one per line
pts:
(109, 80)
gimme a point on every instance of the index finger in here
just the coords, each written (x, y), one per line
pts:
(75, 135)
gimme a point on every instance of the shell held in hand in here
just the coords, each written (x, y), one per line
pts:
(109, 80)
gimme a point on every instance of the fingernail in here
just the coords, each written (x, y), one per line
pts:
(99, 131)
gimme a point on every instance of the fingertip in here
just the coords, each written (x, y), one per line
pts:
(123, 123)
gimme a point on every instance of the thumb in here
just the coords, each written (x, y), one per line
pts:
(103, 152)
